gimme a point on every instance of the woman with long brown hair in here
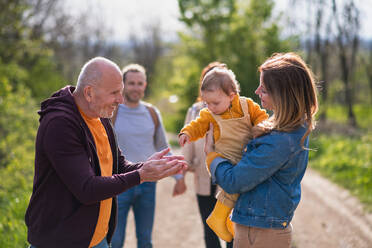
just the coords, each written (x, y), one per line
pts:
(269, 174)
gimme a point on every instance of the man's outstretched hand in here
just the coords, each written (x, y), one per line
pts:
(159, 166)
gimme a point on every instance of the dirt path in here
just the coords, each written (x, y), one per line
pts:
(328, 217)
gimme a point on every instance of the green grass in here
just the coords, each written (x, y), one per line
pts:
(15, 190)
(346, 161)
(344, 154)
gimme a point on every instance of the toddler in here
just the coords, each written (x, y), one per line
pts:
(232, 117)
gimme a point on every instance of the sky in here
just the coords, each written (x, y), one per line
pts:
(127, 16)
(124, 17)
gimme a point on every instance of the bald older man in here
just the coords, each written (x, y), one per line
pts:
(79, 169)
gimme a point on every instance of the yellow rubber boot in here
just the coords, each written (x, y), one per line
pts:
(230, 226)
(217, 221)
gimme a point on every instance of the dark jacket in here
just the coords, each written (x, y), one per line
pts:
(64, 206)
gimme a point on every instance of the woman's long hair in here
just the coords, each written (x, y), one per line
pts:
(291, 85)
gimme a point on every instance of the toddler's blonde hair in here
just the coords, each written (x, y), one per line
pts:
(220, 78)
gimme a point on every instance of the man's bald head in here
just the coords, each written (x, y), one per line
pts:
(95, 71)
(99, 88)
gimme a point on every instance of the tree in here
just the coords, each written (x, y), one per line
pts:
(322, 49)
(18, 123)
(237, 33)
(207, 20)
(348, 43)
(147, 49)
(70, 40)
(367, 61)
(334, 36)
(177, 74)
(20, 48)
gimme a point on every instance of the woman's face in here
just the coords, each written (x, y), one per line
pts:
(266, 100)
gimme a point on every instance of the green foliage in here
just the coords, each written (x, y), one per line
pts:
(206, 12)
(18, 124)
(237, 33)
(207, 20)
(363, 113)
(23, 62)
(347, 161)
(177, 74)
(9, 74)
(12, 30)
(252, 37)
(43, 77)
(28, 60)
(15, 188)
(343, 153)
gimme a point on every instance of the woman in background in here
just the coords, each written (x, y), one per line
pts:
(195, 157)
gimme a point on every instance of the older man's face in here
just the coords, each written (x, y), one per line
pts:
(107, 95)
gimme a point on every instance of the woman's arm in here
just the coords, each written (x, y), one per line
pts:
(261, 161)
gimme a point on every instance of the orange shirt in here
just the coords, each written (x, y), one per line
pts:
(196, 129)
(105, 160)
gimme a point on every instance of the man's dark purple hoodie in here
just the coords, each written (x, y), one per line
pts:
(64, 206)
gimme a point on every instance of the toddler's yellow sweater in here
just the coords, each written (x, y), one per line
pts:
(197, 128)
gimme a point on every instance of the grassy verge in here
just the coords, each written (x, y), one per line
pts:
(344, 154)
(18, 123)
(15, 190)
(346, 161)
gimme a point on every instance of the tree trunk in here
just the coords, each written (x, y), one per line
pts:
(347, 39)
(324, 69)
(369, 76)
(345, 78)
(368, 65)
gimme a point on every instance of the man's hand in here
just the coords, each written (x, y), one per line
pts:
(180, 187)
(183, 139)
(159, 166)
(209, 141)
(159, 155)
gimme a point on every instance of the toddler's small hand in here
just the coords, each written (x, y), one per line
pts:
(183, 139)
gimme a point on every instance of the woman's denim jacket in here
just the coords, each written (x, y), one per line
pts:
(267, 178)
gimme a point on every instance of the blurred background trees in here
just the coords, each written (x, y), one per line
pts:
(47, 44)
(238, 33)
(43, 45)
